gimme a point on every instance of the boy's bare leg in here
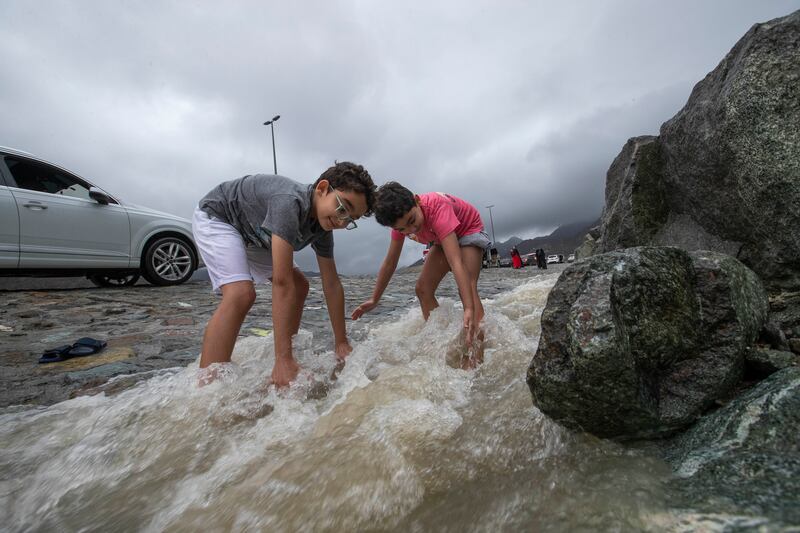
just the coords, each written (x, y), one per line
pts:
(223, 328)
(472, 257)
(301, 292)
(433, 271)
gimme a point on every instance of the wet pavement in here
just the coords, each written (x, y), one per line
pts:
(150, 328)
(147, 328)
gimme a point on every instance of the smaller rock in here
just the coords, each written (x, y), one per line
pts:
(794, 345)
(744, 458)
(110, 388)
(42, 324)
(178, 321)
(100, 373)
(762, 362)
(774, 336)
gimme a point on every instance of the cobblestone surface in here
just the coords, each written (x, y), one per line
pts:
(146, 328)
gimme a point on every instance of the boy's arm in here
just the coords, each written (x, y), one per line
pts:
(334, 298)
(385, 273)
(452, 251)
(283, 305)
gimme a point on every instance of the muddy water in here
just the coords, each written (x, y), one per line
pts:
(399, 441)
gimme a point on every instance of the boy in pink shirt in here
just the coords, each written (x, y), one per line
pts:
(455, 230)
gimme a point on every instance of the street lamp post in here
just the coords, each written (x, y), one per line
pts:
(494, 241)
(271, 123)
(491, 220)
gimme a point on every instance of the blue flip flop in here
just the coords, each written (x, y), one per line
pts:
(88, 342)
(81, 347)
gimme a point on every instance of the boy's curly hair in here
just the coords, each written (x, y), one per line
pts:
(393, 202)
(346, 176)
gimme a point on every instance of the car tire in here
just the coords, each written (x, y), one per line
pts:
(169, 261)
(114, 280)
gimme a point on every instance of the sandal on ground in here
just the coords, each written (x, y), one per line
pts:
(81, 347)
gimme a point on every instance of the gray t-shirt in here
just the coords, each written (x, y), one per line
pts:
(262, 205)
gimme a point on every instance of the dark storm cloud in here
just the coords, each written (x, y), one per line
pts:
(520, 105)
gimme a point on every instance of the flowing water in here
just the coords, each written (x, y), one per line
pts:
(400, 441)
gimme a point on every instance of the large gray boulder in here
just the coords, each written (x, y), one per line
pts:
(743, 460)
(724, 173)
(638, 343)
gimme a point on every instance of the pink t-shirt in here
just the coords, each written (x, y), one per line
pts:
(444, 214)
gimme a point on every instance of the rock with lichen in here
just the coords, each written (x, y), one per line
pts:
(724, 173)
(639, 342)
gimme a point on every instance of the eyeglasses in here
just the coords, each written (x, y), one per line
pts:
(343, 215)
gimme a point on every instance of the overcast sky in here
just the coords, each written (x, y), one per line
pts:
(520, 104)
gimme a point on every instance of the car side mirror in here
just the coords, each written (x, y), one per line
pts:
(98, 196)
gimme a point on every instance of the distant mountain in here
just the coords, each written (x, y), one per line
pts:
(504, 248)
(564, 240)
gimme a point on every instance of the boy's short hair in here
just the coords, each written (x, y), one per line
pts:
(346, 176)
(393, 202)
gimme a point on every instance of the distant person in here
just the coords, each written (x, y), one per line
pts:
(247, 231)
(541, 258)
(459, 241)
(516, 260)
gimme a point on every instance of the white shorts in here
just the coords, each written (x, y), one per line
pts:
(225, 254)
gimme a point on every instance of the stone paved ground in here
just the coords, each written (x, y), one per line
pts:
(146, 328)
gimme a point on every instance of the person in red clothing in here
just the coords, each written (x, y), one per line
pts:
(459, 242)
(516, 260)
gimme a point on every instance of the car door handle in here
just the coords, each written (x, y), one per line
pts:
(35, 205)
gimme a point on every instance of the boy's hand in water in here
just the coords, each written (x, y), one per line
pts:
(285, 371)
(343, 349)
(469, 326)
(367, 306)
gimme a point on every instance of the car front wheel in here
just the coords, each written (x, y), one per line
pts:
(169, 261)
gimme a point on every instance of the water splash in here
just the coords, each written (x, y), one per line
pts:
(399, 440)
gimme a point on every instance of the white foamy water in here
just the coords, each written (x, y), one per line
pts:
(400, 441)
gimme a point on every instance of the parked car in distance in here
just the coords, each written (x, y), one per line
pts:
(552, 259)
(55, 223)
(571, 258)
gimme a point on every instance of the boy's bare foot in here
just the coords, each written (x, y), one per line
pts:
(206, 376)
(211, 373)
(285, 371)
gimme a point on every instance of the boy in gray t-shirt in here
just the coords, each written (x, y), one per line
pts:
(247, 231)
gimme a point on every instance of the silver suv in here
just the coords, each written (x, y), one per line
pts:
(55, 223)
